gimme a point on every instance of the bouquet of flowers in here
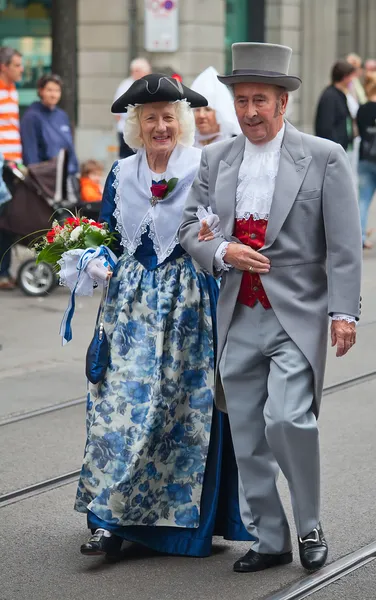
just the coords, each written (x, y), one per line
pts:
(76, 233)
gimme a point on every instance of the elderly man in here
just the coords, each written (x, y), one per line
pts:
(289, 254)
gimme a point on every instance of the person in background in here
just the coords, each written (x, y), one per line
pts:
(356, 88)
(369, 66)
(4, 192)
(139, 67)
(217, 121)
(333, 119)
(91, 181)
(11, 70)
(45, 128)
(170, 72)
(356, 96)
(366, 120)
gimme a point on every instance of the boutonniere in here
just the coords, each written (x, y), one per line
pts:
(162, 189)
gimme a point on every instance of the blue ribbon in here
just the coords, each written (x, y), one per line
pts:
(87, 256)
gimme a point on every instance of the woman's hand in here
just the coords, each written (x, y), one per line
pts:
(210, 225)
(99, 270)
(205, 234)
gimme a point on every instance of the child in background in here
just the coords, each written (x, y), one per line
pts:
(91, 181)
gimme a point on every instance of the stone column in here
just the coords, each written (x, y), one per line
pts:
(318, 53)
(64, 48)
(103, 61)
(283, 26)
(202, 26)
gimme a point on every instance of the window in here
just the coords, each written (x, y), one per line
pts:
(26, 26)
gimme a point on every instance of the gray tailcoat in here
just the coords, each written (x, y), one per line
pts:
(313, 240)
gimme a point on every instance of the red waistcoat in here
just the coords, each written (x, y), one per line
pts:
(252, 233)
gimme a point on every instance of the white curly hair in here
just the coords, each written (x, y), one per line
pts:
(185, 116)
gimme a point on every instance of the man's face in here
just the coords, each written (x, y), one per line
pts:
(13, 71)
(138, 72)
(260, 108)
(347, 80)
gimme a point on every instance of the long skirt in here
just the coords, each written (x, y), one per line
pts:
(159, 467)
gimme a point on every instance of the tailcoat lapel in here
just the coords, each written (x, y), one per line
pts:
(225, 188)
(292, 170)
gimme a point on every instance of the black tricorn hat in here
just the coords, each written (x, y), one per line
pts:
(157, 88)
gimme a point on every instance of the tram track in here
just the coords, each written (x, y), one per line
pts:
(330, 574)
(298, 590)
(65, 479)
(15, 418)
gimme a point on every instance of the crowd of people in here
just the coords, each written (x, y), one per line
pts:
(230, 258)
(346, 114)
(38, 136)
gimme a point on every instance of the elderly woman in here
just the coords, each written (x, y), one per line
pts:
(217, 121)
(153, 471)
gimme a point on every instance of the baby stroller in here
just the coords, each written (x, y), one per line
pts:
(38, 198)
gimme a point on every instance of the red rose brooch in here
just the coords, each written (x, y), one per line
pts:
(160, 190)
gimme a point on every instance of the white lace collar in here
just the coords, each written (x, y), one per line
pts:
(134, 213)
(256, 179)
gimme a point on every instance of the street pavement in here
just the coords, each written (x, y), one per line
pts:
(40, 536)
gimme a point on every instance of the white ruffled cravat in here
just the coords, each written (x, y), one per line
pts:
(256, 179)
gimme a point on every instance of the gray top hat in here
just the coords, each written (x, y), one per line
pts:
(261, 63)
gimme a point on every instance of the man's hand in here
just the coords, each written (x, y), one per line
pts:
(343, 335)
(244, 258)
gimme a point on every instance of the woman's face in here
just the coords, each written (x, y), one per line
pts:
(159, 127)
(50, 95)
(206, 120)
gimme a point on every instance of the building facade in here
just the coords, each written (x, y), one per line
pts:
(319, 32)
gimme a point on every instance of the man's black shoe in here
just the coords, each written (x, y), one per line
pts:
(313, 550)
(99, 544)
(253, 561)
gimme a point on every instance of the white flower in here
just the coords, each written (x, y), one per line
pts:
(76, 233)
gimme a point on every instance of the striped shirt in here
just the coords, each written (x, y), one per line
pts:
(10, 140)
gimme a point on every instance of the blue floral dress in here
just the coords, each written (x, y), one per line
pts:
(159, 467)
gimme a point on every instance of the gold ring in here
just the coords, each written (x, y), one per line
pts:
(251, 269)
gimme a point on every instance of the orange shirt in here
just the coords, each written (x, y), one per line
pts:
(10, 140)
(90, 191)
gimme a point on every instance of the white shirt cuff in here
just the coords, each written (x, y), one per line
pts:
(342, 317)
(219, 263)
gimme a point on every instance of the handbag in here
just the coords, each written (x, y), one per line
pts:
(98, 352)
(369, 145)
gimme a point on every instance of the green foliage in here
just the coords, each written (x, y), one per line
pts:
(171, 184)
(50, 254)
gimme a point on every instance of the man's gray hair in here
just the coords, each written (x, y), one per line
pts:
(6, 55)
(140, 63)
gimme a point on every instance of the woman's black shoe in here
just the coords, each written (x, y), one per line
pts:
(313, 550)
(100, 544)
(253, 561)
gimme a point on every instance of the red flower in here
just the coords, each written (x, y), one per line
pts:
(99, 225)
(159, 190)
(73, 221)
(51, 236)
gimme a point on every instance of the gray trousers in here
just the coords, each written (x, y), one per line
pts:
(268, 384)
